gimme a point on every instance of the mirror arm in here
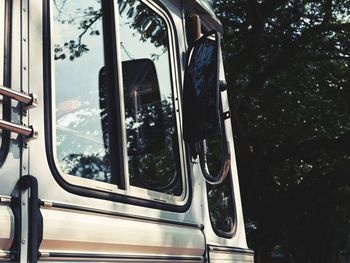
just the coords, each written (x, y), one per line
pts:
(226, 162)
(225, 166)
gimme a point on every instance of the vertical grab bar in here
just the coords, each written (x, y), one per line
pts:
(35, 223)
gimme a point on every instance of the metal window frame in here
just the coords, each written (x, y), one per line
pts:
(90, 188)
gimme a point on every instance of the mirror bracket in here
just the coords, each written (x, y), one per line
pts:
(223, 85)
(226, 115)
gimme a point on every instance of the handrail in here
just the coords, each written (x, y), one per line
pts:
(30, 100)
(35, 223)
(28, 132)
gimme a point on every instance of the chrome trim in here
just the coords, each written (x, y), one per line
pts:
(235, 250)
(57, 256)
(30, 100)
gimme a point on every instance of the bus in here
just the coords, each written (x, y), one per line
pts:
(115, 134)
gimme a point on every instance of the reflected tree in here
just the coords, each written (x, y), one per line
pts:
(92, 166)
(149, 26)
(152, 146)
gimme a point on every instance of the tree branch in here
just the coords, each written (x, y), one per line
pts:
(87, 27)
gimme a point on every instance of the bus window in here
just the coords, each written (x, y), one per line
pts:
(82, 106)
(148, 98)
(82, 146)
(220, 197)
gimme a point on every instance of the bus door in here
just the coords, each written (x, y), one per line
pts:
(109, 160)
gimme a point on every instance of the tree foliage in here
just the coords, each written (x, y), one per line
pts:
(287, 62)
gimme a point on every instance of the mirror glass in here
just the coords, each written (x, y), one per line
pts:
(201, 90)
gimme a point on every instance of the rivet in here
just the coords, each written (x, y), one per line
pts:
(23, 241)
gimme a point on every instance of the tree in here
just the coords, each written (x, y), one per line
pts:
(287, 62)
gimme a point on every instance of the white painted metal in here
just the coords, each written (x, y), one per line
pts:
(7, 226)
(87, 233)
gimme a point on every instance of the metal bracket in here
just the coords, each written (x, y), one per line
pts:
(227, 115)
(223, 85)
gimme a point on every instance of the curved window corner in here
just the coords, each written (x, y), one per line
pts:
(92, 115)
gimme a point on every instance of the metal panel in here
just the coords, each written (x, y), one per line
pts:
(6, 229)
(219, 254)
(80, 233)
(219, 257)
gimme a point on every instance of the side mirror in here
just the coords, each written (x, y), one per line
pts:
(202, 105)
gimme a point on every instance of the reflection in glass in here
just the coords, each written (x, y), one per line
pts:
(149, 109)
(221, 207)
(82, 144)
(200, 94)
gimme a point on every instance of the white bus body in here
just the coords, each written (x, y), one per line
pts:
(49, 141)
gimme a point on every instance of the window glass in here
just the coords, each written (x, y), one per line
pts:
(81, 114)
(220, 197)
(149, 109)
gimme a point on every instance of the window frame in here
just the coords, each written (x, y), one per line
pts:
(6, 76)
(124, 192)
